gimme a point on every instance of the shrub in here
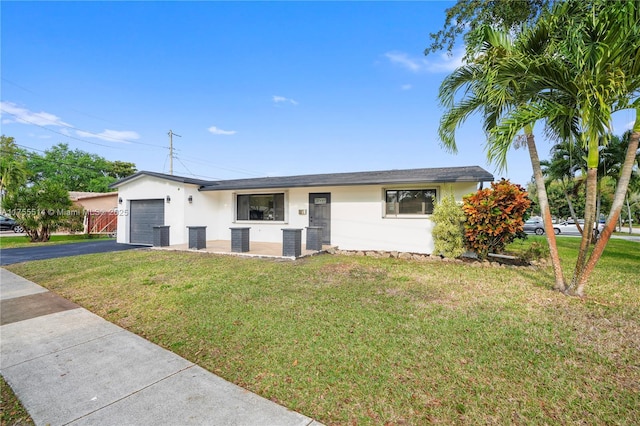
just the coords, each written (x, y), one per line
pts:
(535, 251)
(448, 232)
(494, 216)
(40, 209)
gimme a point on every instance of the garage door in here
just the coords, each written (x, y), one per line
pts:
(144, 215)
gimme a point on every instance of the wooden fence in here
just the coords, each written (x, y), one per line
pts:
(102, 222)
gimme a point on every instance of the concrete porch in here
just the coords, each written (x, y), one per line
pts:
(256, 249)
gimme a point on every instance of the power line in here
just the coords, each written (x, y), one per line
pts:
(60, 133)
(50, 161)
(68, 126)
(72, 109)
(243, 171)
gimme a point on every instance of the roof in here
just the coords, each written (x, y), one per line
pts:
(80, 195)
(180, 179)
(384, 177)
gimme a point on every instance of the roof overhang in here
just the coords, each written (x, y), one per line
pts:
(383, 177)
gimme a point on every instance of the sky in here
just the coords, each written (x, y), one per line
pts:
(249, 89)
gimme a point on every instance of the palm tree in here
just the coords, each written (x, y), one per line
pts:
(591, 70)
(495, 83)
(586, 67)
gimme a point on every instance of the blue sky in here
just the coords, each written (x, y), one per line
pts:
(253, 88)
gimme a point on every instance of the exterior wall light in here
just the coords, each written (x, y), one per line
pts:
(120, 200)
(168, 199)
(190, 199)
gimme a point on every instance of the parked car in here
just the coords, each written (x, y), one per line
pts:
(569, 227)
(8, 224)
(534, 225)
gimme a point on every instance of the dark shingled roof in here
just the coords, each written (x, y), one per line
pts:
(180, 179)
(444, 174)
(385, 177)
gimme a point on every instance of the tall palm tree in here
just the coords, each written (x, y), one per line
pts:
(594, 68)
(586, 68)
(495, 83)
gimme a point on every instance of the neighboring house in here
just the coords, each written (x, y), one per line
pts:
(100, 210)
(96, 201)
(384, 210)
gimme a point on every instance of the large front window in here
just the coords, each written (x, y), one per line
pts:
(260, 207)
(409, 202)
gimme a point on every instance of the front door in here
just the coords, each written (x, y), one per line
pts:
(320, 214)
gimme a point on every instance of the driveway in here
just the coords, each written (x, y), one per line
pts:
(26, 254)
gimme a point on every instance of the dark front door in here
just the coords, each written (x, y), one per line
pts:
(320, 214)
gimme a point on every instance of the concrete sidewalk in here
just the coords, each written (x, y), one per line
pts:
(69, 366)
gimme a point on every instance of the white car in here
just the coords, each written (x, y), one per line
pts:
(568, 227)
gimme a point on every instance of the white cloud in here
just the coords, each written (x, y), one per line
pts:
(417, 64)
(281, 99)
(216, 131)
(402, 59)
(111, 135)
(13, 113)
(406, 87)
(33, 135)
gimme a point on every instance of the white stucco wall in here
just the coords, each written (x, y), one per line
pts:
(178, 213)
(358, 219)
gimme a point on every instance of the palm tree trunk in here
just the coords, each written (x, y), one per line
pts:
(545, 211)
(572, 211)
(598, 206)
(618, 199)
(629, 214)
(590, 210)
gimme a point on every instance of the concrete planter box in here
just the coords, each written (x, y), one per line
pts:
(160, 236)
(314, 238)
(291, 242)
(240, 240)
(197, 237)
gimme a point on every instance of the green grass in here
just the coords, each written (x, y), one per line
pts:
(12, 413)
(347, 339)
(23, 241)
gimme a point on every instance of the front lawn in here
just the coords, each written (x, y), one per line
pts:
(16, 241)
(357, 340)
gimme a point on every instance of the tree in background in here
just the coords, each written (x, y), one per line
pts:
(448, 231)
(43, 208)
(495, 216)
(467, 17)
(77, 170)
(563, 170)
(36, 187)
(13, 167)
(612, 158)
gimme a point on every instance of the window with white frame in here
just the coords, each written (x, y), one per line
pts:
(399, 202)
(260, 207)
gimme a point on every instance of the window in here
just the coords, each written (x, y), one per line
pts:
(409, 202)
(260, 207)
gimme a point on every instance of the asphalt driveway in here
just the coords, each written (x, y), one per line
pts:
(26, 254)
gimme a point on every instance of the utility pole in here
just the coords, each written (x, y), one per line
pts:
(171, 135)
